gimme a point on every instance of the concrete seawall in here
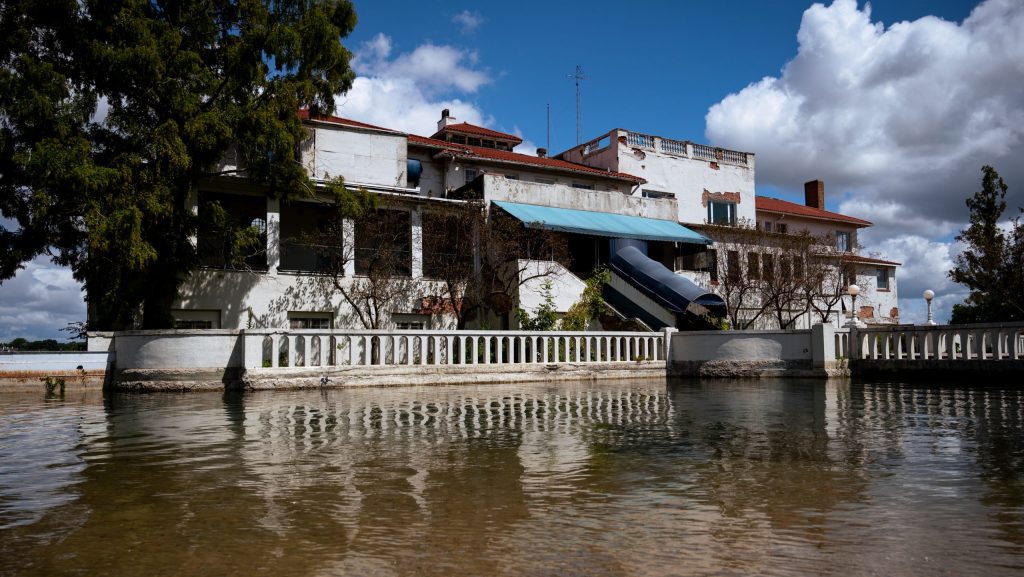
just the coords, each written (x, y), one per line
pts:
(27, 371)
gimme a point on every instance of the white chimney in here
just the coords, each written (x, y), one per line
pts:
(446, 119)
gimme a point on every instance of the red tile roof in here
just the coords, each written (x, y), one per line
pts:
(467, 128)
(305, 115)
(867, 260)
(505, 156)
(767, 204)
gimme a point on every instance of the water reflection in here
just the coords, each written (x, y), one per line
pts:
(631, 478)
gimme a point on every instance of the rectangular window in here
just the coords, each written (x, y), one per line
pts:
(583, 186)
(882, 279)
(458, 139)
(753, 265)
(192, 324)
(648, 193)
(767, 226)
(196, 319)
(384, 244)
(310, 237)
(512, 176)
(309, 320)
(713, 264)
(781, 227)
(768, 267)
(447, 246)
(723, 213)
(411, 322)
(842, 241)
(488, 144)
(224, 221)
(798, 267)
(471, 175)
(732, 263)
(473, 141)
(542, 180)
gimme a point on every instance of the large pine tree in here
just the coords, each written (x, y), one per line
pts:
(992, 266)
(113, 111)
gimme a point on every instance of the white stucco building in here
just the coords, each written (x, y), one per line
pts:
(622, 189)
(716, 186)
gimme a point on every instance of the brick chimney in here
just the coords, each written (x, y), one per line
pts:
(446, 119)
(814, 194)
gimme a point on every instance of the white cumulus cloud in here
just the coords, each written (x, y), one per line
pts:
(896, 120)
(408, 91)
(41, 299)
(468, 21)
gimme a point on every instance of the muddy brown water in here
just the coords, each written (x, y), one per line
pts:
(632, 478)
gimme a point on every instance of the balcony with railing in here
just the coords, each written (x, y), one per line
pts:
(685, 149)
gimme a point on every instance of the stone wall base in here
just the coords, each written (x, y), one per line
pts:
(756, 369)
(342, 377)
(28, 381)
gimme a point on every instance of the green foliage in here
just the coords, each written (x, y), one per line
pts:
(591, 303)
(545, 318)
(992, 266)
(21, 344)
(53, 383)
(180, 84)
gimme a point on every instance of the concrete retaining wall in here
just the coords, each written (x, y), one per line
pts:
(26, 370)
(178, 349)
(379, 376)
(745, 354)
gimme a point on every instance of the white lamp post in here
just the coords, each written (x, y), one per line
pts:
(854, 290)
(928, 296)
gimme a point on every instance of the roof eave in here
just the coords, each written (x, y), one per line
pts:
(850, 220)
(610, 175)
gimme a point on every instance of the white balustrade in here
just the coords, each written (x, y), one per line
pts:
(640, 140)
(986, 342)
(304, 348)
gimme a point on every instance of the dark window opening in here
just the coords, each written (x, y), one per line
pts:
(310, 239)
(768, 267)
(447, 246)
(732, 259)
(753, 265)
(232, 232)
(384, 244)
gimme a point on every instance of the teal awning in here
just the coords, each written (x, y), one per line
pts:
(602, 223)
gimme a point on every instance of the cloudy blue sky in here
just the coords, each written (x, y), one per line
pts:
(895, 105)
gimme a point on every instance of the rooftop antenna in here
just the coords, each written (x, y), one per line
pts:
(549, 127)
(578, 76)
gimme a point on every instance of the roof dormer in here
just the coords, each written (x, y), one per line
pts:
(472, 135)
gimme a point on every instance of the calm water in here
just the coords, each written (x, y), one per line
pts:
(630, 478)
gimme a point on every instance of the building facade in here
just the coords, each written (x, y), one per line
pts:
(665, 199)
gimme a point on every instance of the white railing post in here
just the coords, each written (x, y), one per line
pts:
(667, 344)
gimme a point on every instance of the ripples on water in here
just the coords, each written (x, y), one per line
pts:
(630, 478)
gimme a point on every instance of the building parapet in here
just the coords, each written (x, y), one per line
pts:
(497, 187)
(682, 148)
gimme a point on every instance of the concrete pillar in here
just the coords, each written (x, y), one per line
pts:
(416, 218)
(823, 345)
(273, 235)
